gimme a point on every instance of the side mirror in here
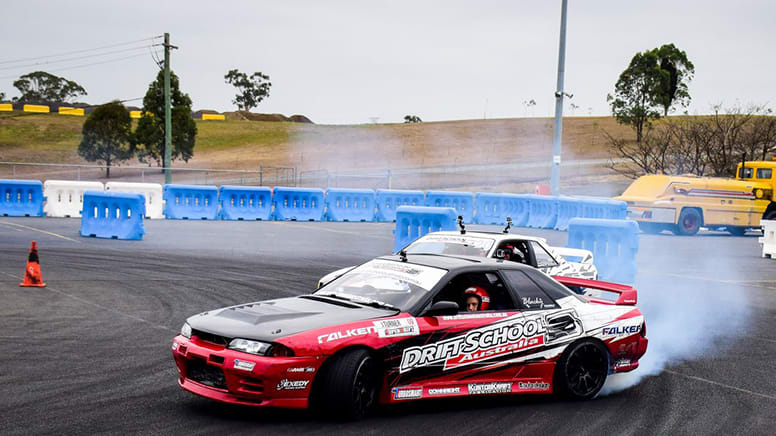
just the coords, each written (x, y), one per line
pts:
(441, 308)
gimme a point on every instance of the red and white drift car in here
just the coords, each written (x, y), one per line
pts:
(397, 329)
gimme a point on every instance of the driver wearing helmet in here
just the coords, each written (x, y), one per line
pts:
(476, 299)
(514, 254)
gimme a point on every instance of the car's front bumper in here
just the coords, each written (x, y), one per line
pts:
(213, 371)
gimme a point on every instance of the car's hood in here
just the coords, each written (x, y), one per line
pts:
(273, 319)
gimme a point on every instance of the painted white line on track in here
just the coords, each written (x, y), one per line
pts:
(41, 231)
(136, 318)
(746, 391)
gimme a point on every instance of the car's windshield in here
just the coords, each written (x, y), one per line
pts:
(385, 283)
(451, 244)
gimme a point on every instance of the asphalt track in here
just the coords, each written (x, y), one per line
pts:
(90, 353)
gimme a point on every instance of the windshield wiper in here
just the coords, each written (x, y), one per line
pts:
(362, 300)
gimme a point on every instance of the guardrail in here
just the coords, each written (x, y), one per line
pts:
(64, 198)
(413, 222)
(350, 204)
(245, 203)
(21, 198)
(298, 204)
(492, 208)
(389, 200)
(113, 215)
(190, 202)
(614, 244)
(462, 202)
(152, 192)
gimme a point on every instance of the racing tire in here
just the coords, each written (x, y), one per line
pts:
(689, 222)
(650, 228)
(737, 231)
(581, 370)
(349, 386)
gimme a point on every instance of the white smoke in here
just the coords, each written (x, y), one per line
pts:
(693, 303)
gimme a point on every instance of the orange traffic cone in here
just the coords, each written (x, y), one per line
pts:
(32, 274)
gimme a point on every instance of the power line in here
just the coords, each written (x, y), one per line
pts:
(87, 65)
(76, 58)
(80, 51)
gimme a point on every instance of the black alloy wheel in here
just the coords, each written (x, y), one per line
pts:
(582, 370)
(348, 385)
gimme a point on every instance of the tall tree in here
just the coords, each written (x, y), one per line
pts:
(251, 90)
(677, 73)
(2, 96)
(149, 134)
(40, 86)
(107, 136)
(635, 100)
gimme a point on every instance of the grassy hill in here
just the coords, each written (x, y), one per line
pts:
(466, 150)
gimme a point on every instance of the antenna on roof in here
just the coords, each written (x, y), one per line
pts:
(460, 225)
(403, 256)
(509, 225)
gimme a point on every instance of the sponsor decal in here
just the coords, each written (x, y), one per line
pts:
(244, 365)
(407, 393)
(444, 391)
(335, 336)
(301, 369)
(481, 243)
(475, 315)
(622, 363)
(540, 386)
(391, 328)
(424, 276)
(533, 302)
(493, 340)
(292, 385)
(622, 330)
(489, 388)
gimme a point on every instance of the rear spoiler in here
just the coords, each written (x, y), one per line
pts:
(627, 295)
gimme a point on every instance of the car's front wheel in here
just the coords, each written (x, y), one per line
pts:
(349, 385)
(581, 370)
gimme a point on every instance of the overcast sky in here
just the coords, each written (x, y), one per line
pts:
(344, 62)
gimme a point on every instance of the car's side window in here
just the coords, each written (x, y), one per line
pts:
(543, 258)
(764, 173)
(530, 295)
(485, 287)
(515, 250)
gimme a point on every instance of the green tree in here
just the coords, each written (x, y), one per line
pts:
(654, 82)
(2, 96)
(149, 134)
(677, 72)
(251, 90)
(41, 86)
(107, 136)
(412, 119)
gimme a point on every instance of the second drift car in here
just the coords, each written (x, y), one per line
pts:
(528, 250)
(403, 328)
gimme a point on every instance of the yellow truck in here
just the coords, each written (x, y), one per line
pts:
(682, 204)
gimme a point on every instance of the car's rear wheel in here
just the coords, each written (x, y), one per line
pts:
(349, 385)
(581, 370)
(689, 222)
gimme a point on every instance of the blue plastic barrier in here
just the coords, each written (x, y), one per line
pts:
(614, 244)
(21, 198)
(413, 222)
(114, 215)
(190, 202)
(388, 200)
(494, 208)
(542, 211)
(298, 204)
(573, 207)
(350, 204)
(245, 203)
(462, 202)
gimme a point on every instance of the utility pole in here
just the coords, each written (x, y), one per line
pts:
(558, 130)
(167, 111)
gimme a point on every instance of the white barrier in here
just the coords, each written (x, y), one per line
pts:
(154, 204)
(65, 198)
(768, 240)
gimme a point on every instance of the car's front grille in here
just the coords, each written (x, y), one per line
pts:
(210, 337)
(200, 372)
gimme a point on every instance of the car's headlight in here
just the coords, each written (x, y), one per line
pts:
(248, 346)
(186, 330)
